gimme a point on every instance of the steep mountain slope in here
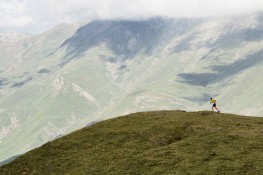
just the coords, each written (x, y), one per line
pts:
(163, 142)
(70, 76)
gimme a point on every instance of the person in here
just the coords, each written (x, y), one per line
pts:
(212, 100)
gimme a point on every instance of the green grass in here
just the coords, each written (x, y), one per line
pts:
(163, 142)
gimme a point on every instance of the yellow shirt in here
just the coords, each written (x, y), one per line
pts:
(212, 100)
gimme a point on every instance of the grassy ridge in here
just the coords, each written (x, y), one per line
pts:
(163, 142)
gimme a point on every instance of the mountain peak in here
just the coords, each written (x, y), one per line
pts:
(124, 37)
(13, 36)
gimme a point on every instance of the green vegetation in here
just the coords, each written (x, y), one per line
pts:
(164, 142)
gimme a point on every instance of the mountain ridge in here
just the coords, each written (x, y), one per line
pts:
(153, 142)
(48, 88)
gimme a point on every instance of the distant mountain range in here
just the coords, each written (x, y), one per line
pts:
(74, 75)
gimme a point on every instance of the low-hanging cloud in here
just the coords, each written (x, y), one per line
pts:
(37, 16)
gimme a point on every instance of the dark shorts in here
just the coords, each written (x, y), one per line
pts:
(214, 105)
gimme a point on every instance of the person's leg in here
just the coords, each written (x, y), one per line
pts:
(217, 109)
(214, 106)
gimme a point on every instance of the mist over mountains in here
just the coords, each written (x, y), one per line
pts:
(74, 75)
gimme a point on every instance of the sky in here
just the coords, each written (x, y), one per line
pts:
(36, 16)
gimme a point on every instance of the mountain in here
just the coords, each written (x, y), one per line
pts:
(78, 74)
(163, 142)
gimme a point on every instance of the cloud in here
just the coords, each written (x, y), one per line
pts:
(36, 16)
(13, 14)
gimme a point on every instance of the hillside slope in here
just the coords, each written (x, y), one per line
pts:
(163, 142)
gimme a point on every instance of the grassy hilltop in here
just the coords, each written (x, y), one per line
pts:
(163, 142)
